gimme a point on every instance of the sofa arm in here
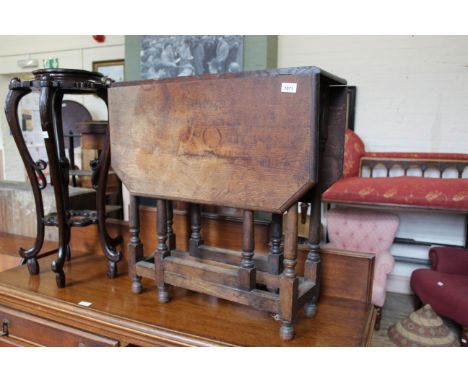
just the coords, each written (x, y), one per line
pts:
(449, 260)
(384, 263)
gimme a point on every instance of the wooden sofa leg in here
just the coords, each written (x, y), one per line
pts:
(417, 302)
(464, 336)
(378, 317)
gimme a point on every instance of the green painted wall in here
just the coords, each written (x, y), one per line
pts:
(260, 52)
(132, 58)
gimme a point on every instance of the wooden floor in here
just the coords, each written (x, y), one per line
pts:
(189, 319)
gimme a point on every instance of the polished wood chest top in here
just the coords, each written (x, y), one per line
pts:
(241, 140)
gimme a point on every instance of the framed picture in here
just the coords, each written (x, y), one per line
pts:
(180, 55)
(113, 69)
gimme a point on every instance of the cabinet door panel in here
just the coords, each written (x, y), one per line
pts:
(25, 329)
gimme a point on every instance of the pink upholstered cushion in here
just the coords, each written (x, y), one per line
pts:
(361, 230)
(366, 231)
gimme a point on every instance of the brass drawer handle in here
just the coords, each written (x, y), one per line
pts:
(4, 331)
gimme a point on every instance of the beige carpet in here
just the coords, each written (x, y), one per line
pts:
(398, 306)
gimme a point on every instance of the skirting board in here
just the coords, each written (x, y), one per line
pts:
(398, 284)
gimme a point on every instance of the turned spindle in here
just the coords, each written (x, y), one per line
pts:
(275, 256)
(247, 264)
(195, 229)
(171, 237)
(135, 246)
(289, 281)
(162, 250)
(312, 263)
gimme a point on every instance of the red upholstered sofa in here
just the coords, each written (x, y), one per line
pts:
(404, 190)
(445, 285)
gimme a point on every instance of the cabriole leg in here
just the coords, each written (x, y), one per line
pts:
(33, 169)
(108, 244)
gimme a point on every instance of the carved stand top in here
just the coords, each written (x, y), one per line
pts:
(71, 80)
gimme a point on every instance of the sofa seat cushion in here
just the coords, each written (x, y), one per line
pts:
(446, 293)
(447, 194)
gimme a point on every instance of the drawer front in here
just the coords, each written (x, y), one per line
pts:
(23, 329)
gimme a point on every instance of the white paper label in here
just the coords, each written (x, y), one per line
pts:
(288, 87)
(85, 303)
(45, 135)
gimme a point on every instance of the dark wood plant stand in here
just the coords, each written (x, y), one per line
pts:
(52, 85)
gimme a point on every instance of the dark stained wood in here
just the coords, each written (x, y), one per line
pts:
(140, 320)
(52, 85)
(464, 336)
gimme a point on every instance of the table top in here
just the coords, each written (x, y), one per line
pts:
(248, 141)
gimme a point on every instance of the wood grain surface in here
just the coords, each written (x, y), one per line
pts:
(234, 141)
(190, 319)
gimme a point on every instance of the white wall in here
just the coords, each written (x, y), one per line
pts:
(412, 95)
(19, 45)
(412, 90)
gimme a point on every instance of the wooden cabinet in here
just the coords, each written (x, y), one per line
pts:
(22, 329)
(40, 314)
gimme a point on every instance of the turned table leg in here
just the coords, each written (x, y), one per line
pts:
(135, 246)
(312, 263)
(464, 336)
(275, 256)
(288, 280)
(171, 237)
(162, 251)
(195, 229)
(247, 274)
(378, 317)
